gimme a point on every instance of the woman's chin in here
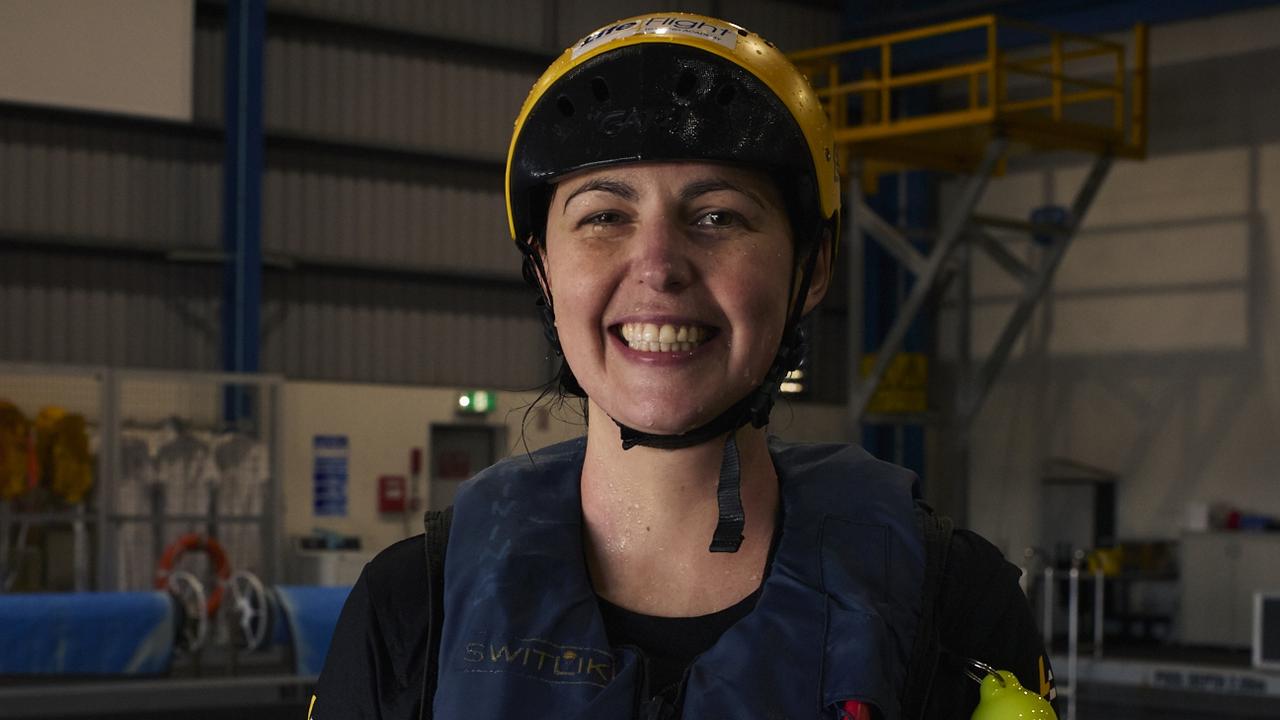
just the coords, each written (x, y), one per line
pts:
(660, 420)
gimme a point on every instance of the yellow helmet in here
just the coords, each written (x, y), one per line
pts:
(674, 86)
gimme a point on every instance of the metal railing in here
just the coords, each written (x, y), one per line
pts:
(1068, 688)
(857, 80)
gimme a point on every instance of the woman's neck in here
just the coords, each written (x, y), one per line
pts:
(649, 516)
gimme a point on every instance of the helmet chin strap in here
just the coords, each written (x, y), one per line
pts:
(754, 409)
(732, 518)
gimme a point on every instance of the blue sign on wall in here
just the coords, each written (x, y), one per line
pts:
(329, 473)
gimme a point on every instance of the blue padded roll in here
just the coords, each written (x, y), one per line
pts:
(312, 613)
(126, 633)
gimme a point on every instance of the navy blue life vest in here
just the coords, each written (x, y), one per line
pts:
(523, 636)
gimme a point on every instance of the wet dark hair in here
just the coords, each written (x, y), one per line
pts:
(557, 402)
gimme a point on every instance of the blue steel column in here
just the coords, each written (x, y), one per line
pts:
(242, 195)
(906, 201)
(879, 304)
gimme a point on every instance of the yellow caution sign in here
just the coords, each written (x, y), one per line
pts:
(905, 386)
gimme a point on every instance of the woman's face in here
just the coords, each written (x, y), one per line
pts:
(670, 283)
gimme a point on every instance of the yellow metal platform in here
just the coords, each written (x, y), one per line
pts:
(1040, 88)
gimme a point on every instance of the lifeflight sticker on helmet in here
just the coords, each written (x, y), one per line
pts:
(726, 35)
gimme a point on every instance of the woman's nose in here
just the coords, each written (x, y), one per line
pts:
(662, 260)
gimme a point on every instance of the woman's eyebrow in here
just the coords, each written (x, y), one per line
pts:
(615, 187)
(702, 187)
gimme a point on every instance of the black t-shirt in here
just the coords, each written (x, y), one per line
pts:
(375, 664)
(376, 659)
(670, 644)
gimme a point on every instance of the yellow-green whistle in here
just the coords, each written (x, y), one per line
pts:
(1002, 697)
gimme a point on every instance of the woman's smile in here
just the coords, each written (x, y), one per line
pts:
(662, 344)
(656, 337)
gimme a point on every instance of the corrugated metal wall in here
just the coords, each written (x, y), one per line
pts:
(507, 23)
(82, 308)
(386, 215)
(380, 90)
(384, 229)
(108, 182)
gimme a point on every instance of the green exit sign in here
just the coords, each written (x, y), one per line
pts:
(477, 401)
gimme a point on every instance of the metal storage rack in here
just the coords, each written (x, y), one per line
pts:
(116, 400)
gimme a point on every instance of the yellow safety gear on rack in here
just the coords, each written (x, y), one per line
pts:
(62, 444)
(17, 457)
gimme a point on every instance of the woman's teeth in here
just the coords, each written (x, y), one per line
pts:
(648, 337)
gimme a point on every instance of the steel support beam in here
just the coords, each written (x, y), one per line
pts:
(1033, 291)
(242, 169)
(950, 493)
(949, 236)
(1015, 224)
(242, 186)
(1001, 255)
(890, 239)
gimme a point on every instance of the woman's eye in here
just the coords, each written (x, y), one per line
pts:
(607, 217)
(717, 218)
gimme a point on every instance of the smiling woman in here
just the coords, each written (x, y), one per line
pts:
(672, 189)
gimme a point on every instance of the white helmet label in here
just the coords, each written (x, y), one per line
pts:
(717, 32)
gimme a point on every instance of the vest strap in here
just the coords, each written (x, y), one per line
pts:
(435, 543)
(928, 645)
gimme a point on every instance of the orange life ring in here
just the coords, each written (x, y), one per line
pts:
(206, 545)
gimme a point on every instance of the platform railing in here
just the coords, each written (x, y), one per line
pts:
(856, 81)
(1070, 679)
(823, 67)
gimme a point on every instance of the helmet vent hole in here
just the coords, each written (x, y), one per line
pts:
(565, 105)
(600, 88)
(725, 94)
(742, 32)
(686, 84)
